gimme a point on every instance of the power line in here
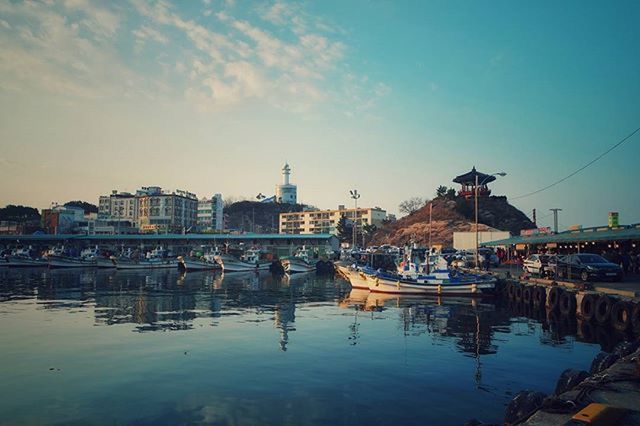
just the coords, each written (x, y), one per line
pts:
(581, 168)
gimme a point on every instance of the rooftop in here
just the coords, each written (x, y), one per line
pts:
(603, 233)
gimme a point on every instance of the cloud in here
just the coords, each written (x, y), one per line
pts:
(146, 33)
(279, 54)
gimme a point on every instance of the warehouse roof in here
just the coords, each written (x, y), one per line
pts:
(248, 236)
(620, 233)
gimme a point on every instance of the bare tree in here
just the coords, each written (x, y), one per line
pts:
(411, 205)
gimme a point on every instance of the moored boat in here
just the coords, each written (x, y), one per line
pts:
(301, 261)
(24, 257)
(249, 261)
(202, 263)
(64, 259)
(154, 259)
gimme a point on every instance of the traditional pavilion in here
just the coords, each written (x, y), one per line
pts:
(468, 182)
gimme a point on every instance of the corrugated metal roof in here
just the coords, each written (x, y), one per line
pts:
(60, 237)
(591, 234)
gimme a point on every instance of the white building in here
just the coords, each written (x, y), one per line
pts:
(467, 240)
(210, 214)
(150, 209)
(286, 192)
(326, 221)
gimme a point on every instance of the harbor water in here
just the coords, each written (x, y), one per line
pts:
(161, 347)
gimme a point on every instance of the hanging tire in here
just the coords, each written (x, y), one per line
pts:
(539, 296)
(621, 316)
(511, 288)
(603, 309)
(567, 303)
(554, 297)
(518, 292)
(527, 294)
(588, 307)
(635, 318)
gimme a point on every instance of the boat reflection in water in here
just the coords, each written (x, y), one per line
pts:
(331, 352)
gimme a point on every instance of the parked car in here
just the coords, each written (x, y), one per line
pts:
(585, 266)
(536, 264)
(467, 258)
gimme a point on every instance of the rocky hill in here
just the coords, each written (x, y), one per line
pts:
(453, 214)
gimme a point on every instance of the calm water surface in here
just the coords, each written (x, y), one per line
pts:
(159, 347)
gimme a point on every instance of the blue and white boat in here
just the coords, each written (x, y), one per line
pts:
(426, 279)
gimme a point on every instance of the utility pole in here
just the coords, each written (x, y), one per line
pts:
(355, 196)
(535, 222)
(555, 219)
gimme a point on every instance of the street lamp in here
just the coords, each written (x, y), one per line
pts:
(259, 197)
(354, 232)
(502, 174)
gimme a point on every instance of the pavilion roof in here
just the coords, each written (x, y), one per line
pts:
(470, 177)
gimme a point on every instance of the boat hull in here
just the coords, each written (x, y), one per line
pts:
(481, 287)
(70, 262)
(293, 265)
(196, 265)
(21, 262)
(146, 264)
(105, 262)
(231, 264)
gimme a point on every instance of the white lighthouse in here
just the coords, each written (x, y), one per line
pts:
(286, 192)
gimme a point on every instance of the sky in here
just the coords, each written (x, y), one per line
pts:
(392, 98)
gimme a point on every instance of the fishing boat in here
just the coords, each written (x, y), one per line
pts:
(301, 261)
(199, 261)
(410, 279)
(358, 276)
(154, 259)
(61, 258)
(22, 257)
(249, 261)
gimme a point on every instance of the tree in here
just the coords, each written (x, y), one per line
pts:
(451, 193)
(411, 205)
(441, 191)
(368, 230)
(19, 213)
(345, 229)
(87, 207)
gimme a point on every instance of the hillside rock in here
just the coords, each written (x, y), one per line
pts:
(453, 215)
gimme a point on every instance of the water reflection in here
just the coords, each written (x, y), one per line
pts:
(165, 300)
(231, 339)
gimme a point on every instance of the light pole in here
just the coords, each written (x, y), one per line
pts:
(354, 232)
(476, 207)
(259, 197)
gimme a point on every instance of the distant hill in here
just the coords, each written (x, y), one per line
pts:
(240, 215)
(453, 214)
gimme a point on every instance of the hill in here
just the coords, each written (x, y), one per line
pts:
(242, 214)
(453, 214)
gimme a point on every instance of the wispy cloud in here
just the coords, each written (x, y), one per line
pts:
(281, 55)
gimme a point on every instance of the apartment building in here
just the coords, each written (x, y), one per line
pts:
(210, 214)
(326, 221)
(150, 209)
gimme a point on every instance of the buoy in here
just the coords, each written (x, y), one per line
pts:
(603, 309)
(621, 316)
